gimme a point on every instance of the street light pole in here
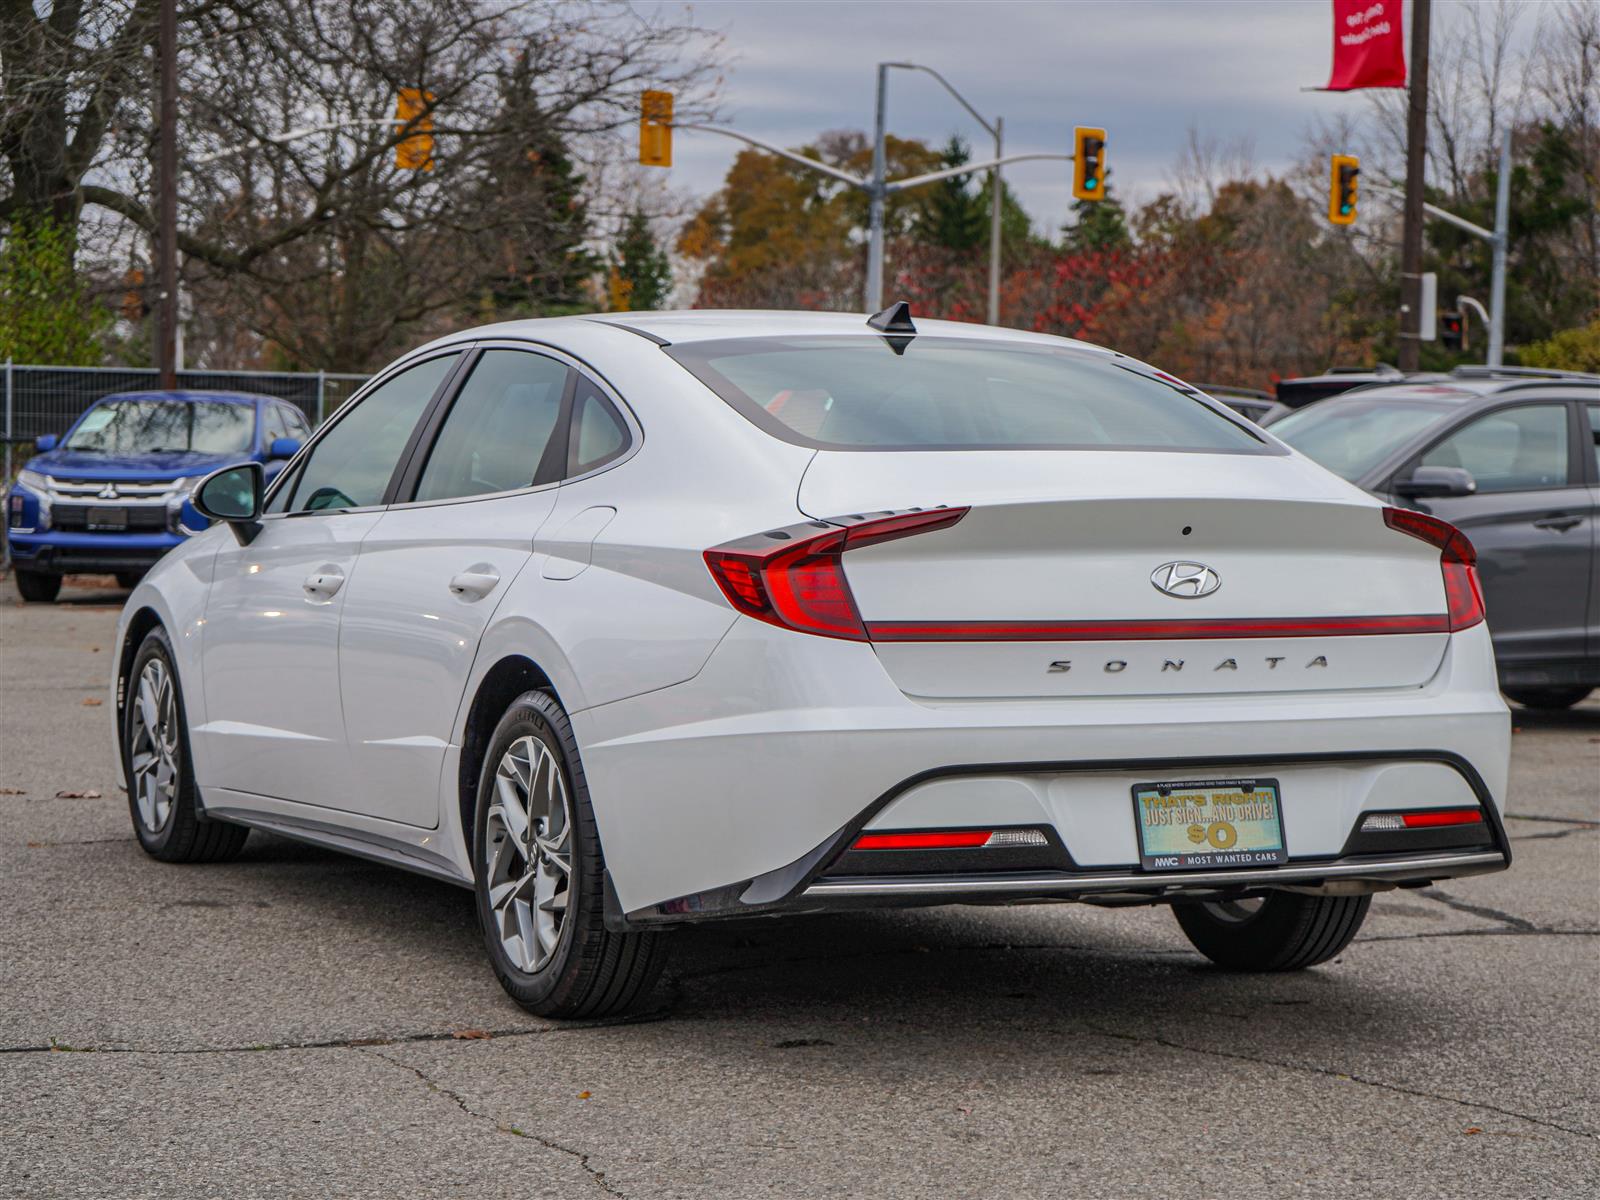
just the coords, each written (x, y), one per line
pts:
(1502, 233)
(1410, 349)
(875, 195)
(996, 195)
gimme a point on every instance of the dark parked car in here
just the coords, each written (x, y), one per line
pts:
(1260, 407)
(1513, 459)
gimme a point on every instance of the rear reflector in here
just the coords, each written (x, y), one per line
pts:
(1428, 818)
(1458, 562)
(950, 839)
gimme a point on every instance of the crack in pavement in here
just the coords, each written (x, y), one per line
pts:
(1466, 933)
(598, 1176)
(1480, 910)
(1330, 1073)
(1560, 833)
(1557, 820)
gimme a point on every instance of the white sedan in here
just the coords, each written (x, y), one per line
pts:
(625, 621)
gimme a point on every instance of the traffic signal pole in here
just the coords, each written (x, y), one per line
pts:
(1410, 350)
(167, 199)
(1500, 240)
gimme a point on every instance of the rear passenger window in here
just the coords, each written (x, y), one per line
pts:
(598, 434)
(499, 429)
(1512, 450)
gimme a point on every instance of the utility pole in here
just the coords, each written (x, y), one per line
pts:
(167, 199)
(996, 202)
(1502, 234)
(1416, 160)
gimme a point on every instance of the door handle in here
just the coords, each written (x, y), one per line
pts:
(1560, 522)
(322, 585)
(475, 582)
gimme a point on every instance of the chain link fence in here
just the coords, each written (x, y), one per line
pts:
(42, 399)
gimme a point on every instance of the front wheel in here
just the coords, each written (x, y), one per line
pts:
(1282, 931)
(1552, 698)
(38, 587)
(162, 796)
(540, 875)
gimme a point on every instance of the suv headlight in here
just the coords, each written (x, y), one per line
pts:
(34, 481)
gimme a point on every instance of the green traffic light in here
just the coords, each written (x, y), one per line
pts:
(1091, 184)
(1344, 210)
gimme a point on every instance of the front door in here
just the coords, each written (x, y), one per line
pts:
(434, 570)
(275, 725)
(1532, 522)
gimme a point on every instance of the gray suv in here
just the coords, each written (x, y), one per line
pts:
(1512, 457)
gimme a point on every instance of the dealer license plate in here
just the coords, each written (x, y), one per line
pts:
(103, 519)
(1209, 824)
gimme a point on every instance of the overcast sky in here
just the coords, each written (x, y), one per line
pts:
(1145, 69)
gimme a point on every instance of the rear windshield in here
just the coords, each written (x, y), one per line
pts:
(1350, 436)
(927, 393)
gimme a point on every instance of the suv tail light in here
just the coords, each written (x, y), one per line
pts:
(795, 581)
(1457, 560)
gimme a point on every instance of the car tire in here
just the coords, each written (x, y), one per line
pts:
(1282, 931)
(38, 587)
(129, 579)
(1548, 698)
(539, 875)
(162, 797)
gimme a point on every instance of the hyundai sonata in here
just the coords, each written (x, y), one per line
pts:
(634, 620)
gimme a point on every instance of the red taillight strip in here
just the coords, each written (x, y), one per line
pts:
(1458, 562)
(1138, 631)
(1429, 818)
(947, 839)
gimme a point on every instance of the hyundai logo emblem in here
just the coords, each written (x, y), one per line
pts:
(1185, 580)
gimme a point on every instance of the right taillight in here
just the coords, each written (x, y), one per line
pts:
(1457, 560)
(794, 578)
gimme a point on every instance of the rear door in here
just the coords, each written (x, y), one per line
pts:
(1532, 521)
(434, 569)
(1589, 429)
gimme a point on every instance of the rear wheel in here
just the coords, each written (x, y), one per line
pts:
(540, 875)
(1282, 931)
(1548, 697)
(162, 796)
(38, 587)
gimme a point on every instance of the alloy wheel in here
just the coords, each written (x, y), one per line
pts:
(528, 845)
(153, 745)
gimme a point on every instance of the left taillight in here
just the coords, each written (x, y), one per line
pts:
(1458, 562)
(794, 577)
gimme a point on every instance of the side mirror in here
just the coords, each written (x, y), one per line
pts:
(46, 442)
(233, 496)
(1436, 483)
(284, 447)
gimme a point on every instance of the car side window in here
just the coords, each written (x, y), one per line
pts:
(598, 433)
(351, 465)
(1511, 450)
(1594, 434)
(295, 422)
(497, 435)
(272, 425)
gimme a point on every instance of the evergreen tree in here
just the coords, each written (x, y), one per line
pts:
(1098, 224)
(955, 218)
(639, 268)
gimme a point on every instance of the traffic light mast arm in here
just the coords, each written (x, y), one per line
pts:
(290, 135)
(1449, 218)
(900, 185)
(843, 176)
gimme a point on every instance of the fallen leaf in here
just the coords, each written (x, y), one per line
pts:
(92, 702)
(94, 649)
(1472, 1129)
(583, 1095)
(35, 845)
(90, 794)
(471, 1035)
(22, 792)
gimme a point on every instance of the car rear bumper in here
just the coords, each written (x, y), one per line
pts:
(735, 792)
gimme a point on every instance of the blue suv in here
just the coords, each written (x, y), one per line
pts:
(113, 495)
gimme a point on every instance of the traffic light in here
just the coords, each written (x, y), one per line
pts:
(1453, 330)
(655, 129)
(1088, 163)
(414, 152)
(1342, 189)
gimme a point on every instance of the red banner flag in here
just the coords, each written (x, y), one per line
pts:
(1368, 45)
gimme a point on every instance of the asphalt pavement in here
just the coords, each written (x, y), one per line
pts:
(301, 1023)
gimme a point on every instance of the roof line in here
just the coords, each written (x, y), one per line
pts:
(646, 334)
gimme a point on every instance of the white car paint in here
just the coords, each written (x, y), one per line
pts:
(719, 749)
